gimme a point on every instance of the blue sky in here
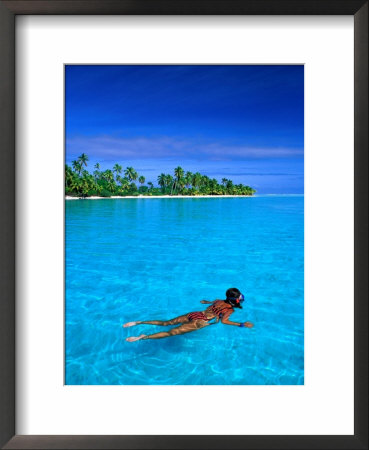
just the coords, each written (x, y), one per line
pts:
(240, 122)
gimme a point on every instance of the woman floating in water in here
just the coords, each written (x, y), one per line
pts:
(218, 310)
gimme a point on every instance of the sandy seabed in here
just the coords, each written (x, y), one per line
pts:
(67, 197)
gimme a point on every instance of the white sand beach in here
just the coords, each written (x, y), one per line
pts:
(67, 197)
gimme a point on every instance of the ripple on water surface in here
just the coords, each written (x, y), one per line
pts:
(137, 259)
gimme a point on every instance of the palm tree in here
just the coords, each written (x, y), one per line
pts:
(162, 180)
(83, 159)
(229, 187)
(124, 183)
(111, 185)
(188, 179)
(81, 181)
(108, 175)
(178, 173)
(68, 175)
(75, 184)
(117, 169)
(77, 166)
(168, 180)
(131, 174)
(196, 179)
(96, 174)
(85, 187)
(229, 183)
(133, 187)
(205, 180)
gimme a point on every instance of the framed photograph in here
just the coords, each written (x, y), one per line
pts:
(168, 168)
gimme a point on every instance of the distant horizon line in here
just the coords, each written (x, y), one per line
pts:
(288, 193)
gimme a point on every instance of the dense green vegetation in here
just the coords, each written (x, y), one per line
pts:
(80, 182)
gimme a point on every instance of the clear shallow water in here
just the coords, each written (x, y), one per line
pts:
(147, 259)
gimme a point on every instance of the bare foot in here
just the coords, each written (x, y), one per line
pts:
(135, 338)
(130, 324)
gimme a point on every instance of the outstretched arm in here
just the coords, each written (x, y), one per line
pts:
(206, 302)
(226, 321)
(238, 324)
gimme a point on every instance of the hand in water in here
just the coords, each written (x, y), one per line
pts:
(248, 324)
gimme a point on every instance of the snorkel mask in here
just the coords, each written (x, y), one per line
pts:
(236, 301)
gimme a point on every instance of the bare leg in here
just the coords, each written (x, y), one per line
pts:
(164, 323)
(182, 329)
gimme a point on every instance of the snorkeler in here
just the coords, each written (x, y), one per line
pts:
(218, 310)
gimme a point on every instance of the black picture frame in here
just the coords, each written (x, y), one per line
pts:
(8, 12)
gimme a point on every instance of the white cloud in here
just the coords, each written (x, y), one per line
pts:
(164, 147)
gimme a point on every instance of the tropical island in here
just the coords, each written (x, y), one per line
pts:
(79, 182)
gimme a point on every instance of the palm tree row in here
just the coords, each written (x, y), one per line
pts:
(80, 182)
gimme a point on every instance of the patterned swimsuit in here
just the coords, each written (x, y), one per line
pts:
(197, 315)
(218, 308)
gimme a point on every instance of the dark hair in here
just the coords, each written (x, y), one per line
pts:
(232, 294)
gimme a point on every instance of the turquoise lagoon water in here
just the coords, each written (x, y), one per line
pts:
(142, 259)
